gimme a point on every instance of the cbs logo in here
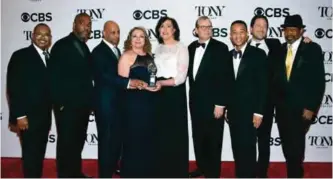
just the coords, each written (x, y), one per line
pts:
(149, 14)
(36, 17)
(272, 12)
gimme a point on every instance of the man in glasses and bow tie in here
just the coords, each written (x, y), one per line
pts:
(29, 99)
(208, 81)
(247, 99)
(300, 85)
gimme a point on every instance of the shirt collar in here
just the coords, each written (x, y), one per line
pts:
(242, 49)
(206, 42)
(109, 44)
(296, 44)
(254, 42)
(40, 51)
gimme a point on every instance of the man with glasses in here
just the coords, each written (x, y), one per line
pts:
(29, 99)
(208, 78)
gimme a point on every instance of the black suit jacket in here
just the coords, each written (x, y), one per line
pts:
(274, 53)
(209, 88)
(27, 85)
(275, 50)
(249, 89)
(71, 73)
(107, 82)
(306, 85)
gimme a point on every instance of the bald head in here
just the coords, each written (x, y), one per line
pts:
(111, 32)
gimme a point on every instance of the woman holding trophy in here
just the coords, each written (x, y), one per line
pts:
(139, 147)
(171, 59)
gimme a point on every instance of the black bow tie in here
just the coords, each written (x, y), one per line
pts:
(203, 45)
(235, 53)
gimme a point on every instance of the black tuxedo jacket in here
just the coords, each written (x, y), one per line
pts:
(209, 88)
(71, 73)
(249, 89)
(306, 85)
(107, 82)
(27, 85)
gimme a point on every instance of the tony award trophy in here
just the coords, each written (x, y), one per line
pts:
(152, 69)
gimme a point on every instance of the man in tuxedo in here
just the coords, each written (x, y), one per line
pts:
(272, 48)
(71, 88)
(300, 84)
(208, 80)
(107, 99)
(29, 99)
(247, 99)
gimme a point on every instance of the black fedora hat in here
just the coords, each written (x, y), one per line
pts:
(293, 21)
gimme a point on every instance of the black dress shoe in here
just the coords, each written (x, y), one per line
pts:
(117, 172)
(195, 173)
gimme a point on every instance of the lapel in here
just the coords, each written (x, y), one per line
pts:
(206, 56)
(284, 52)
(77, 45)
(232, 62)
(298, 59)
(35, 55)
(192, 49)
(108, 50)
(243, 61)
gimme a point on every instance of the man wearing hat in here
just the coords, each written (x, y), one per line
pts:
(300, 85)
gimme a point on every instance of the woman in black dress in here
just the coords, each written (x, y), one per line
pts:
(139, 147)
(171, 58)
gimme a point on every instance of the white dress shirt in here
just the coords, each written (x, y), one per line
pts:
(262, 45)
(236, 62)
(199, 52)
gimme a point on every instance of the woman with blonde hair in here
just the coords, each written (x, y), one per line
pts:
(139, 106)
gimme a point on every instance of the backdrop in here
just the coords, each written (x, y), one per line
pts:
(20, 16)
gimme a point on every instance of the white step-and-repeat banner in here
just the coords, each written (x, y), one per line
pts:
(20, 16)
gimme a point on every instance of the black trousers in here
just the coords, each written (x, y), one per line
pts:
(207, 140)
(34, 142)
(264, 135)
(72, 130)
(243, 142)
(292, 129)
(109, 141)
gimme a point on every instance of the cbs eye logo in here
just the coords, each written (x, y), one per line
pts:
(36, 17)
(271, 12)
(149, 14)
(321, 33)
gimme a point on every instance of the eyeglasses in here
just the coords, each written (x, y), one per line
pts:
(205, 27)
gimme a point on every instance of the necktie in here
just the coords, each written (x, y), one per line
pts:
(257, 45)
(289, 62)
(47, 56)
(203, 45)
(115, 50)
(235, 53)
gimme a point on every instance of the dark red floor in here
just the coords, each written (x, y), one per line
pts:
(11, 168)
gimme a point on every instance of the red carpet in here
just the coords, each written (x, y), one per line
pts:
(11, 168)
